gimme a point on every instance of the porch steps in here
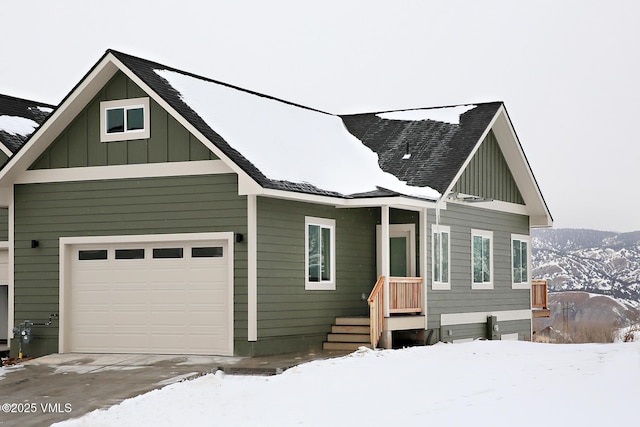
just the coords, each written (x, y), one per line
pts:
(348, 333)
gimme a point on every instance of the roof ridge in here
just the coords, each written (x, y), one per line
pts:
(38, 103)
(208, 79)
(421, 108)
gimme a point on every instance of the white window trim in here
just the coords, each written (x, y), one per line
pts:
(127, 135)
(327, 285)
(489, 284)
(527, 239)
(437, 285)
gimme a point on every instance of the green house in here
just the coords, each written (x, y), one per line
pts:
(19, 118)
(157, 211)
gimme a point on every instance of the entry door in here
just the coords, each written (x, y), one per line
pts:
(398, 253)
(402, 250)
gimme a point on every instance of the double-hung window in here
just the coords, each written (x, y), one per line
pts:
(520, 250)
(440, 256)
(482, 259)
(124, 119)
(320, 254)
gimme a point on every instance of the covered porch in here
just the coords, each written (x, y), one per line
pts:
(398, 299)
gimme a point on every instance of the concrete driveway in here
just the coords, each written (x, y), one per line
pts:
(58, 387)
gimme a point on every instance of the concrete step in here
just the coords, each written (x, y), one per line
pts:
(344, 346)
(337, 329)
(353, 338)
(352, 321)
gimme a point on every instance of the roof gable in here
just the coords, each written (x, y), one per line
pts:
(488, 175)
(354, 156)
(422, 152)
(79, 145)
(280, 145)
(19, 118)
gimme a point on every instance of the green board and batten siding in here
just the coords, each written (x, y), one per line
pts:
(46, 212)
(488, 175)
(79, 145)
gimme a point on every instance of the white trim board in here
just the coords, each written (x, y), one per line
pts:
(145, 170)
(252, 268)
(450, 319)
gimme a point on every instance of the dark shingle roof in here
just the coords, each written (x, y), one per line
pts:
(438, 150)
(25, 109)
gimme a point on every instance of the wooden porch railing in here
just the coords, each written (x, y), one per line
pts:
(405, 295)
(376, 311)
(539, 294)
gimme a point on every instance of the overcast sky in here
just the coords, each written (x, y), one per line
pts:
(567, 71)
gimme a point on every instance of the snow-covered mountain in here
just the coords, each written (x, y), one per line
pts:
(593, 261)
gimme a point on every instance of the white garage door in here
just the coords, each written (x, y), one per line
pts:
(165, 298)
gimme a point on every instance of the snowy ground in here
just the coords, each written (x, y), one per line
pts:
(496, 383)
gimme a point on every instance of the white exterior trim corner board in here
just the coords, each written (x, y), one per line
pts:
(11, 268)
(451, 319)
(67, 245)
(252, 268)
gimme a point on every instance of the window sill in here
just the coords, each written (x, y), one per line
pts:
(319, 286)
(521, 286)
(482, 286)
(441, 286)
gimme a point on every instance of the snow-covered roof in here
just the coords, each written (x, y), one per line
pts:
(449, 115)
(289, 143)
(19, 118)
(285, 146)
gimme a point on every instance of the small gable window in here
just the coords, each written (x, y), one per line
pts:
(124, 119)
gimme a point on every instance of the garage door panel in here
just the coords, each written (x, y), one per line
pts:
(150, 305)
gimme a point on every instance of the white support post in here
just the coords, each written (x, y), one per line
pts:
(385, 256)
(424, 259)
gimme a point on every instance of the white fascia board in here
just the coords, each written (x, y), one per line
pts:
(66, 112)
(519, 166)
(144, 170)
(195, 132)
(6, 150)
